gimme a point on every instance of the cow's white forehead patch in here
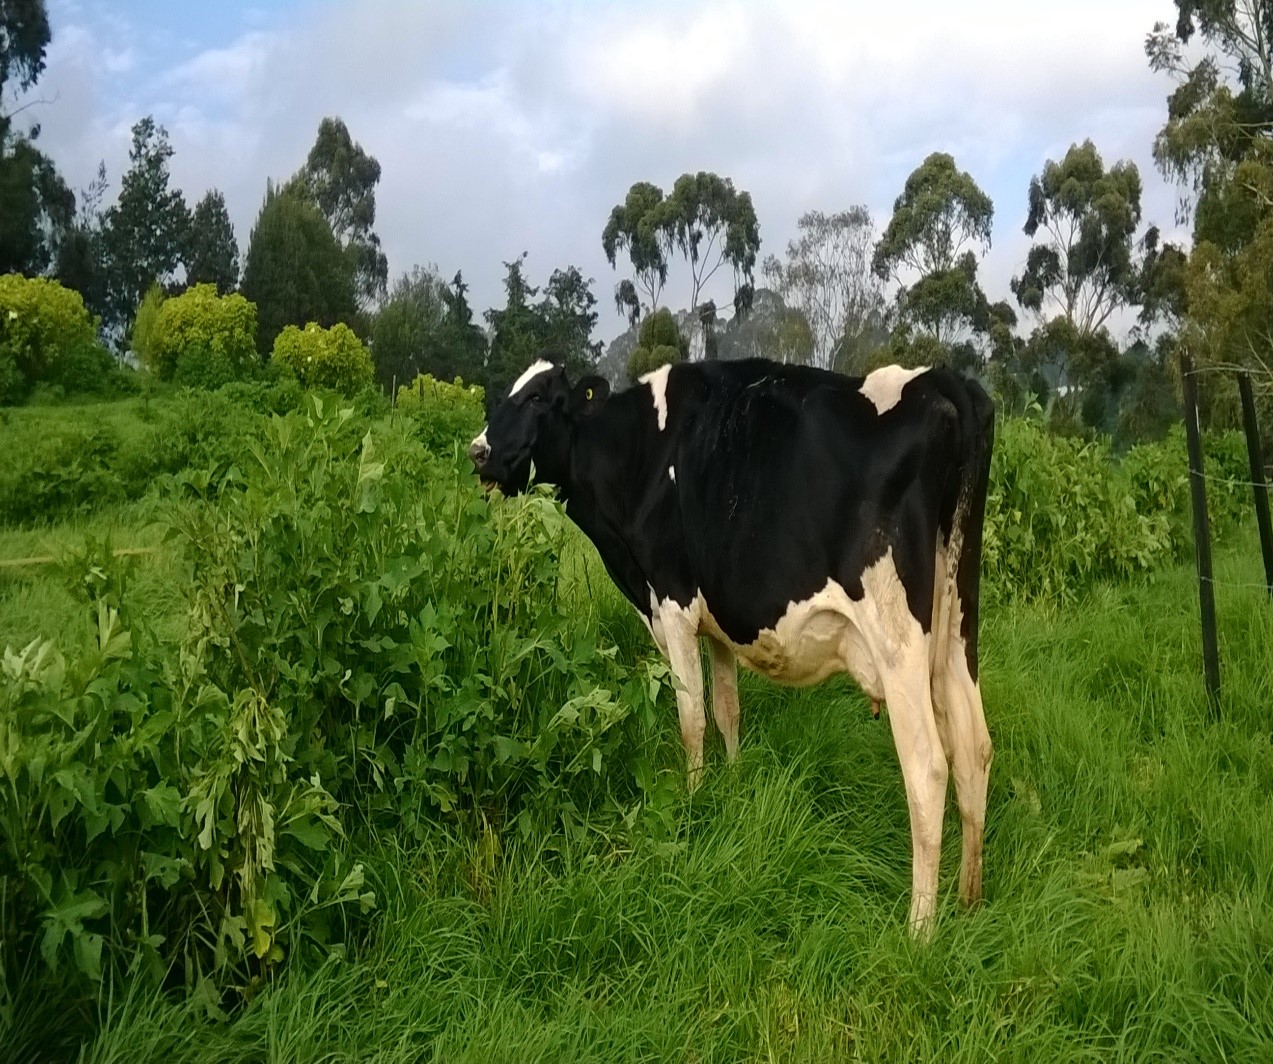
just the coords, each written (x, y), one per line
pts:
(533, 372)
(657, 380)
(884, 386)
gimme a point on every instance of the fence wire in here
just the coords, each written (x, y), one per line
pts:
(1216, 479)
(1261, 586)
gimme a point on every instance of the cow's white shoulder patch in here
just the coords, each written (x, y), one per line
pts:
(884, 386)
(671, 472)
(657, 380)
(530, 374)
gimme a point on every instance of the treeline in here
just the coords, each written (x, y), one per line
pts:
(1090, 331)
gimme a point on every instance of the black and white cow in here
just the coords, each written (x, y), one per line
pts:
(804, 523)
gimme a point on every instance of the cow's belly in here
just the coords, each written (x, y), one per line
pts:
(814, 639)
(807, 653)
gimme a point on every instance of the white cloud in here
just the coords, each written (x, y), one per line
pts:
(224, 73)
(505, 127)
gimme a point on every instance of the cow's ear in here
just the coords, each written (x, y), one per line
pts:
(588, 396)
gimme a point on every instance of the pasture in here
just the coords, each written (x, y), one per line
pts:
(497, 753)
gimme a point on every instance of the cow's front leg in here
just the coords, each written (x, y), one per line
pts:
(680, 639)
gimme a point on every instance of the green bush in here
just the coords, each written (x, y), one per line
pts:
(1062, 513)
(60, 462)
(279, 396)
(55, 469)
(202, 367)
(201, 325)
(443, 414)
(369, 642)
(659, 343)
(120, 771)
(47, 337)
(145, 331)
(324, 358)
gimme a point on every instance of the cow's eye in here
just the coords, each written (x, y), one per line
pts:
(536, 397)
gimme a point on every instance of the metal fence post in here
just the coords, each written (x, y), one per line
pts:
(1201, 537)
(1258, 485)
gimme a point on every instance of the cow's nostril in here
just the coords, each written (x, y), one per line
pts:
(479, 451)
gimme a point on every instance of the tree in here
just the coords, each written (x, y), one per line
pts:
(1217, 143)
(771, 330)
(1083, 220)
(341, 179)
(80, 262)
(47, 336)
(324, 358)
(24, 37)
(146, 230)
(36, 207)
(212, 254)
(939, 222)
(636, 227)
(1222, 106)
(406, 333)
(940, 213)
(204, 337)
(569, 314)
(711, 224)
(559, 325)
(827, 275)
(295, 271)
(463, 343)
(1160, 283)
(517, 335)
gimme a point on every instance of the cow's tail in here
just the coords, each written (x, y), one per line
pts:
(977, 429)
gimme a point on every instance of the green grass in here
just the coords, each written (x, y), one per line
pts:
(1129, 911)
(35, 599)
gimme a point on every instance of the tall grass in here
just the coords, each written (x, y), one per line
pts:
(1129, 911)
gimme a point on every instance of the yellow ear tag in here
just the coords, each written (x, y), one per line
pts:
(588, 394)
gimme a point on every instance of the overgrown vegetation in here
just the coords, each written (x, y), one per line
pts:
(360, 662)
(1063, 513)
(365, 643)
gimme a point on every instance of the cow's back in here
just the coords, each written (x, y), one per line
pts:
(787, 477)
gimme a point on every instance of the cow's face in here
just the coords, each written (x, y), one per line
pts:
(538, 410)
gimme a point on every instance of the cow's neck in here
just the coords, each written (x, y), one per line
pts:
(591, 462)
(552, 457)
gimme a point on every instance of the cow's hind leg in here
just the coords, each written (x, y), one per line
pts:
(680, 637)
(725, 694)
(962, 722)
(907, 689)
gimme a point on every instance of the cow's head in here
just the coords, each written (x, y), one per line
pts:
(533, 423)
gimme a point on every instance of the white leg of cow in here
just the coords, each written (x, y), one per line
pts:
(957, 698)
(683, 654)
(725, 694)
(907, 690)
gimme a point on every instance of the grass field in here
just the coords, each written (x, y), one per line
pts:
(1129, 876)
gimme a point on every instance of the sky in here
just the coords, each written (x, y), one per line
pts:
(504, 127)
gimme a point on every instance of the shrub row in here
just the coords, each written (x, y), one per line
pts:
(1063, 513)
